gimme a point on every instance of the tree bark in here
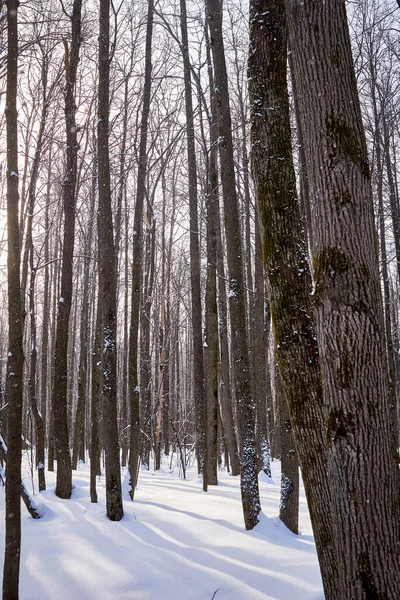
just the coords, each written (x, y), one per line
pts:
(261, 379)
(289, 503)
(46, 313)
(211, 350)
(32, 384)
(350, 325)
(240, 351)
(137, 260)
(96, 392)
(15, 360)
(64, 470)
(286, 265)
(145, 342)
(107, 277)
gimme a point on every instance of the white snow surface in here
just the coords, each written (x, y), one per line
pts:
(175, 542)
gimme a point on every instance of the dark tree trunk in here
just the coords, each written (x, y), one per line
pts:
(358, 425)
(46, 315)
(289, 504)
(64, 470)
(125, 435)
(32, 384)
(240, 350)
(224, 388)
(137, 260)
(108, 277)
(15, 360)
(55, 283)
(285, 256)
(211, 352)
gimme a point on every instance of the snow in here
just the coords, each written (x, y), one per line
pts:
(175, 542)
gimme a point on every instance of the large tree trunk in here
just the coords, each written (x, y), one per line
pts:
(358, 425)
(15, 360)
(108, 277)
(285, 256)
(240, 351)
(64, 470)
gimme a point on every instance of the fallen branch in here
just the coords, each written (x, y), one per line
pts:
(29, 502)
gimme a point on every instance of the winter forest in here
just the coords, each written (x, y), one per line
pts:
(200, 299)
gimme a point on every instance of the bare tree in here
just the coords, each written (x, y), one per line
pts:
(15, 360)
(64, 470)
(240, 353)
(107, 275)
(137, 261)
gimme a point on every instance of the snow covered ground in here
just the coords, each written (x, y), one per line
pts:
(175, 542)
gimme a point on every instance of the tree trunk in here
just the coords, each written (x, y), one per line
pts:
(286, 265)
(15, 360)
(137, 260)
(145, 342)
(108, 277)
(124, 428)
(46, 315)
(55, 283)
(96, 392)
(240, 352)
(262, 379)
(32, 384)
(64, 470)
(289, 504)
(211, 351)
(358, 425)
(225, 388)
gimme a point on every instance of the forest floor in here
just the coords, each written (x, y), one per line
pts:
(175, 542)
